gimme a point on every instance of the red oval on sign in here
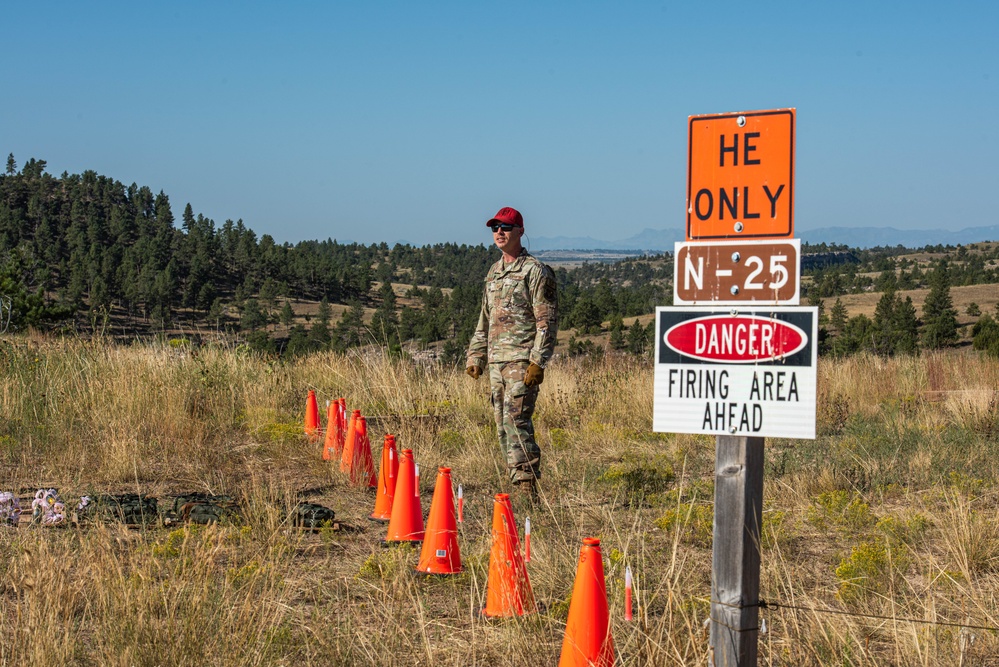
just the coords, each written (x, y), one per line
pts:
(738, 340)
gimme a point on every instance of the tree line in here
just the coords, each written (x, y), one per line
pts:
(79, 249)
(85, 248)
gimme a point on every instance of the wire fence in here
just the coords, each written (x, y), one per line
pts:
(766, 604)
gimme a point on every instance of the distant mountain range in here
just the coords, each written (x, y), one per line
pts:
(658, 240)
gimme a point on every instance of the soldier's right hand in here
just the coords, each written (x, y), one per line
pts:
(474, 372)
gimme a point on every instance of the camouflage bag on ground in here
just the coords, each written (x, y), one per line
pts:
(202, 508)
(128, 508)
(311, 515)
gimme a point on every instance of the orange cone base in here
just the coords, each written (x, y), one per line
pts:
(498, 617)
(392, 543)
(420, 573)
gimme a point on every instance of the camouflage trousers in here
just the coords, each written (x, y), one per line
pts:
(513, 407)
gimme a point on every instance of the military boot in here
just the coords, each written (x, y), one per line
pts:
(524, 497)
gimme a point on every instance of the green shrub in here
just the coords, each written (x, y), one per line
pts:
(903, 530)
(694, 522)
(841, 509)
(640, 477)
(871, 568)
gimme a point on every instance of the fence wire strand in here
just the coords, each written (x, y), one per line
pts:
(765, 604)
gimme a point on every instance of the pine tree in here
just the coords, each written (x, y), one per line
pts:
(384, 326)
(287, 314)
(217, 312)
(206, 296)
(11, 165)
(985, 335)
(252, 318)
(298, 340)
(856, 336)
(939, 313)
(837, 316)
(319, 335)
(349, 329)
(906, 327)
(617, 341)
(409, 323)
(883, 334)
(586, 316)
(325, 312)
(188, 218)
(636, 338)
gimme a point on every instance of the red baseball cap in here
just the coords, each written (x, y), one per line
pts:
(507, 216)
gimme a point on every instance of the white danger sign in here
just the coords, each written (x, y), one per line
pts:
(738, 371)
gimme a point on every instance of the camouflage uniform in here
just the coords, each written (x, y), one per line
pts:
(518, 325)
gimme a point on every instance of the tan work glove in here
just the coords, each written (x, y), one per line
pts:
(474, 372)
(535, 375)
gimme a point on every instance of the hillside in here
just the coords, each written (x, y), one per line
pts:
(87, 255)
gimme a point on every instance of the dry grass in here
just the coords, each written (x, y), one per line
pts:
(889, 513)
(986, 296)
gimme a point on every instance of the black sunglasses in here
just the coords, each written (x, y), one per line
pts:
(502, 227)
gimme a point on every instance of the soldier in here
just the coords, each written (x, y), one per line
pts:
(515, 338)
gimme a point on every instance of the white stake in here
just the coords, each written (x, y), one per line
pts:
(527, 540)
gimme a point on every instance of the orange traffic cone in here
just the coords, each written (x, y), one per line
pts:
(588, 639)
(312, 416)
(508, 590)
(406, 524)
(388, 472)
(356, 458)
(362, 468)
(332, 417)
(341, 427)
(347, 454)
(440, 554)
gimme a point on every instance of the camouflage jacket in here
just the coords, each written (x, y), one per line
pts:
(519, 317)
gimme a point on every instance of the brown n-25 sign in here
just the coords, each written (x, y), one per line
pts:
(737, 272)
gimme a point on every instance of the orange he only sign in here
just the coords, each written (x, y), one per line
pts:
(740, 175)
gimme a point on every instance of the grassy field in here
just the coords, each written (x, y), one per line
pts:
(986, 296)
(887, 518)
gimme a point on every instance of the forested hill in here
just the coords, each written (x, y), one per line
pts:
(84, 253)
(82, 248)
(93, 242)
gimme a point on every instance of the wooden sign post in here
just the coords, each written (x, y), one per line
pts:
(735, 558)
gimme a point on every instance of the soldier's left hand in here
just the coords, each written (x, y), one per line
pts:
(535, 375)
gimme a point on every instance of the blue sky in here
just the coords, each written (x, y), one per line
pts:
(386, 121)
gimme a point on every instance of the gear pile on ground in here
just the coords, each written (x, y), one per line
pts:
(48, 508)
(10, 509)
(312, 515)
(133, 509)
(128, 508)
(201, 508)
